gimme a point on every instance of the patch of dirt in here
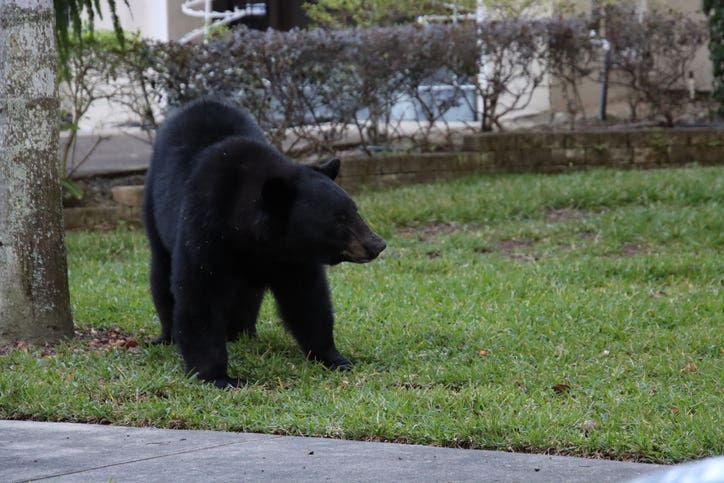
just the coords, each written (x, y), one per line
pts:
(589, 235)
(45, 349)
(484, 250)
(97, 339)
(513, 244)
(430, 230)
(517, 249)
(564, 214)
(106, 339)
(633, 249)
(583, 239)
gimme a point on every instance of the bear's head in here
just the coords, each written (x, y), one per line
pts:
(306, 216)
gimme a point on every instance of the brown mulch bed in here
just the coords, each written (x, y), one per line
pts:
(95, 339)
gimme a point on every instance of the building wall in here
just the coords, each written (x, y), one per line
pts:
(590, 88)
(154, 19)
(164, 20)
(178, 23)
(702, 64)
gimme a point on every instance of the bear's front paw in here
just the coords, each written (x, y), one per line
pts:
(162, 341)
(335, 362)
(342, 365)
(227, 382)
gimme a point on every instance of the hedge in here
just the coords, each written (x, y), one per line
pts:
(320, 86)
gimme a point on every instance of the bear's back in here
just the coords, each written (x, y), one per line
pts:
(204, 122)
(180, 144)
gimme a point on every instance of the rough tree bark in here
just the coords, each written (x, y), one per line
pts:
(34, 301)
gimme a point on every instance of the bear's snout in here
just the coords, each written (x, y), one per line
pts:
(375, 246)
(365, 247)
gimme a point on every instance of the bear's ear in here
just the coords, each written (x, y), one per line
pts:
(330, 168)
(277, 195)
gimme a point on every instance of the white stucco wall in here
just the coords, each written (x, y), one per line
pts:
(153, 19)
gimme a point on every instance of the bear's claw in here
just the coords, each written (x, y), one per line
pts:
(228, 382)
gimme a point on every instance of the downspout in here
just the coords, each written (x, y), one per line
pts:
(480, 15)
(605, 63)
(605, 46)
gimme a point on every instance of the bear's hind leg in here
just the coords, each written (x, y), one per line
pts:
(160, 275)
(304, 303)
(243, 311)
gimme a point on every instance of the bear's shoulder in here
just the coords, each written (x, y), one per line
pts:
(242, 155)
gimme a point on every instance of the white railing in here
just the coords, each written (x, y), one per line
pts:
(213, 18)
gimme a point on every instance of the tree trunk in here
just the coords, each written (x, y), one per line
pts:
(34, 301)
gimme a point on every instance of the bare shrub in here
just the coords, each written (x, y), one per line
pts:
(570, 59)
(651, 57)
(312, 90)
(512, 67)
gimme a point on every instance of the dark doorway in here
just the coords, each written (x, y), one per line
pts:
(280, 14)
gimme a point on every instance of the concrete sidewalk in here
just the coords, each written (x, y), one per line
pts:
(89, 453)
(116, 153)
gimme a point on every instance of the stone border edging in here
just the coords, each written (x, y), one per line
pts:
(541, 152)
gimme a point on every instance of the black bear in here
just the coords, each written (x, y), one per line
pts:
(228, 217)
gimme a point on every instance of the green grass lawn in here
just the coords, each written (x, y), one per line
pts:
(576, 314)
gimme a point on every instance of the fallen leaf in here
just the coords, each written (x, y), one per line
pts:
(483, 352)
(690, 367)
(519, 384)
(561, 388)
(675, 410)
(589, 425)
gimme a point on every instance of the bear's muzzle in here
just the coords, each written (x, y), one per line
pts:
(364, 248)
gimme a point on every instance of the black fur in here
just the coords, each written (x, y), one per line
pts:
(228, 217)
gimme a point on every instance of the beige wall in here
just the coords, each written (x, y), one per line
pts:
(178, 23)
(701, 65)
(155, 19)
(590, 89)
